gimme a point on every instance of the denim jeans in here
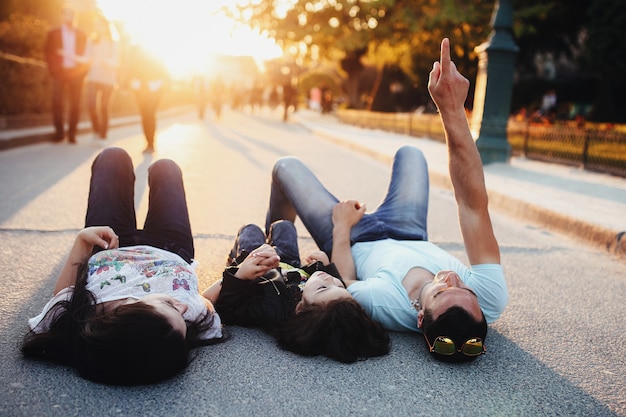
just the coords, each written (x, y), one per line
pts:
(282, 235)
(111, 203)
(402, 215)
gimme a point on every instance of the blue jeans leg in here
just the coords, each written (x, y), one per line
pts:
(296, 190)
(111, 195)
(403, 213)
(167, 223)
(249, 237)
(284, 237)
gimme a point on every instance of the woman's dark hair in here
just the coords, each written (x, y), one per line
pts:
(339, 329)
(130, 345)
(457, 324)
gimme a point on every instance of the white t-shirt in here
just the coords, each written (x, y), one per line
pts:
(381, 266)
(137, 271)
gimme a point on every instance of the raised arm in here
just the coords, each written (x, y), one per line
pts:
(86, 240)
(448, 89)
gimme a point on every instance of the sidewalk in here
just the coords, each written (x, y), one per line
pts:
(11, 138)
(583, 204)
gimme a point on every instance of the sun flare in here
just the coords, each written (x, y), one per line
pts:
(188, 35)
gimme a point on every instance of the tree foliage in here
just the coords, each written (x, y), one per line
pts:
(401, 34)
(604, 55)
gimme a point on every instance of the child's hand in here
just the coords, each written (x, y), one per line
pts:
(258, 262)
(317, 256)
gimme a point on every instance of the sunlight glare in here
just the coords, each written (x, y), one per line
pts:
(188, 34)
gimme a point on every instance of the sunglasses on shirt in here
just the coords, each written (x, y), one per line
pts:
(445, 346)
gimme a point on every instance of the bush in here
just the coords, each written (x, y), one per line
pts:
(25, 85)
(24, 88)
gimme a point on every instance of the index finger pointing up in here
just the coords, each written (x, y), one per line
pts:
(445, 57)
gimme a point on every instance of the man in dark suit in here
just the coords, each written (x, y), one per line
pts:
(64, 50)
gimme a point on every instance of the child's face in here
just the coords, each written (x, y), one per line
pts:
(321, 288)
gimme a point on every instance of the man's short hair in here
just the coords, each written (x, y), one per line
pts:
(457, 324)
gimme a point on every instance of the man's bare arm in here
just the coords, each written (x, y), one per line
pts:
(448, 89)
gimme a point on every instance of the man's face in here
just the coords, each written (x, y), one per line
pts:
(67, 17)
(445, 291)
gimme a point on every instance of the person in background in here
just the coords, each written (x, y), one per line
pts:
(103, 56)
(200, 89)
(62, 47)
(148, 79)
(126, 308)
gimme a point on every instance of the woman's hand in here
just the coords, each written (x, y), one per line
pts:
(258, 262)
(317, 256)
(86, 240)
(102, 236)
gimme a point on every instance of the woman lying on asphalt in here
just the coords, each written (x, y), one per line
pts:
(126, 307)
(265, 284)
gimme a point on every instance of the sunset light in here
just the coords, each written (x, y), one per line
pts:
(187, 35)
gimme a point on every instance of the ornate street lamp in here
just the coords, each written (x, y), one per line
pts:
(494, 87)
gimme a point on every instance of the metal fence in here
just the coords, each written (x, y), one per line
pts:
(595, 148)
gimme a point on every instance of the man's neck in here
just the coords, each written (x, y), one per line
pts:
(414, 280)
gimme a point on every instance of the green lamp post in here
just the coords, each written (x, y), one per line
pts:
(494, 87)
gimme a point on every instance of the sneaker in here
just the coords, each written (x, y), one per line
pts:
(96, 141)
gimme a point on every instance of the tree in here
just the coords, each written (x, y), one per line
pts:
(604, 55)
(548, 26)
(395, 33)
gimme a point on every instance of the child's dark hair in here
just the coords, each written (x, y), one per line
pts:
(339, 329)
(131, 345)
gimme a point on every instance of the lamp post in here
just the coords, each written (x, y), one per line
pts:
(494, 87)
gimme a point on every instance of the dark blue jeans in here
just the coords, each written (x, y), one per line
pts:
(282, 235)
(402, 215)
(111, 203)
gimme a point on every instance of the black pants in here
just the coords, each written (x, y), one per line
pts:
(111, 203)
(72, 87)
(148, 102)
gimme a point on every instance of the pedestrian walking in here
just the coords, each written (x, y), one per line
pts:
(63, 46)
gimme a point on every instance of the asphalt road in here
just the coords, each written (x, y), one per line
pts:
(557, 350)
